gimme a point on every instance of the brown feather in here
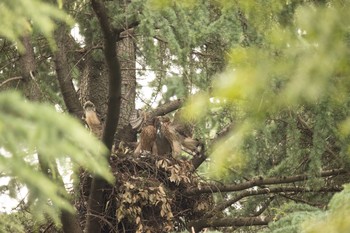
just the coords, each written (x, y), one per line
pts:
(147, 137)
(92, 120)
(190, 144)
(147, 140)
(137, 119)
(172, 136)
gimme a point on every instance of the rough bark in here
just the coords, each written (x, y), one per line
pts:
(258, 182)
(127, 59)
(210, 221)
(32, 91)
(96, 202)
(68, 91)
(94, 83)
(166, 108)
(93, 87)
(70, 223)
(228, 222)
(261, 191)
(28, 70)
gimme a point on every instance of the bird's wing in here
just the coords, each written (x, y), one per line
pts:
(136, 120)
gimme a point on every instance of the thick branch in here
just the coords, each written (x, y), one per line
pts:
(28, 68)
(254, 192)
(27, 60)
(207, 221)
(229, 222)
(309, 129)
(69, 94)
(114, 98)
(166, 108)
(69, 220)
(96, 201)
(258, 182)
(198, 160)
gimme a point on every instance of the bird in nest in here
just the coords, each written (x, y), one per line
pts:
(179, 135)
(160, 136)
(148, 134)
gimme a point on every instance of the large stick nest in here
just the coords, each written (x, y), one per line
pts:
(149, 194)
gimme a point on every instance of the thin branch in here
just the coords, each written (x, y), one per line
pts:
(299, 200)
(87, 50)
(198, 160)
(229, 222)
(264, 206)
(208, 221)
(48, 227)
(258, 182)
(10, 62)
(309, 129)
(11, 79)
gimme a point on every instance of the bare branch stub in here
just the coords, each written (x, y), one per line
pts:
(167, 108)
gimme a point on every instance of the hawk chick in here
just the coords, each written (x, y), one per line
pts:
(179, 135)
(147, 139)
(91, 119)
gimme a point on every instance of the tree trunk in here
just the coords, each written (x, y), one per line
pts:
(94, 83)
(127, 59)
(33, 93)
(94, 87)
(68, 91)
(28, 67)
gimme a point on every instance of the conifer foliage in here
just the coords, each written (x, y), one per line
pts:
(260, 89)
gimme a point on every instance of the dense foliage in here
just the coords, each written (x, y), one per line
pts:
(266, 86)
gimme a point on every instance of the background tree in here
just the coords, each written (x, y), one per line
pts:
(263, 85)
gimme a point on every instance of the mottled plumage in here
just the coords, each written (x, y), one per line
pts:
(162, 137)
(136, 119)
(163, 146)
(147, 139)
(148, 136)
(92, 119)
(171, 135)
(179, 134)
